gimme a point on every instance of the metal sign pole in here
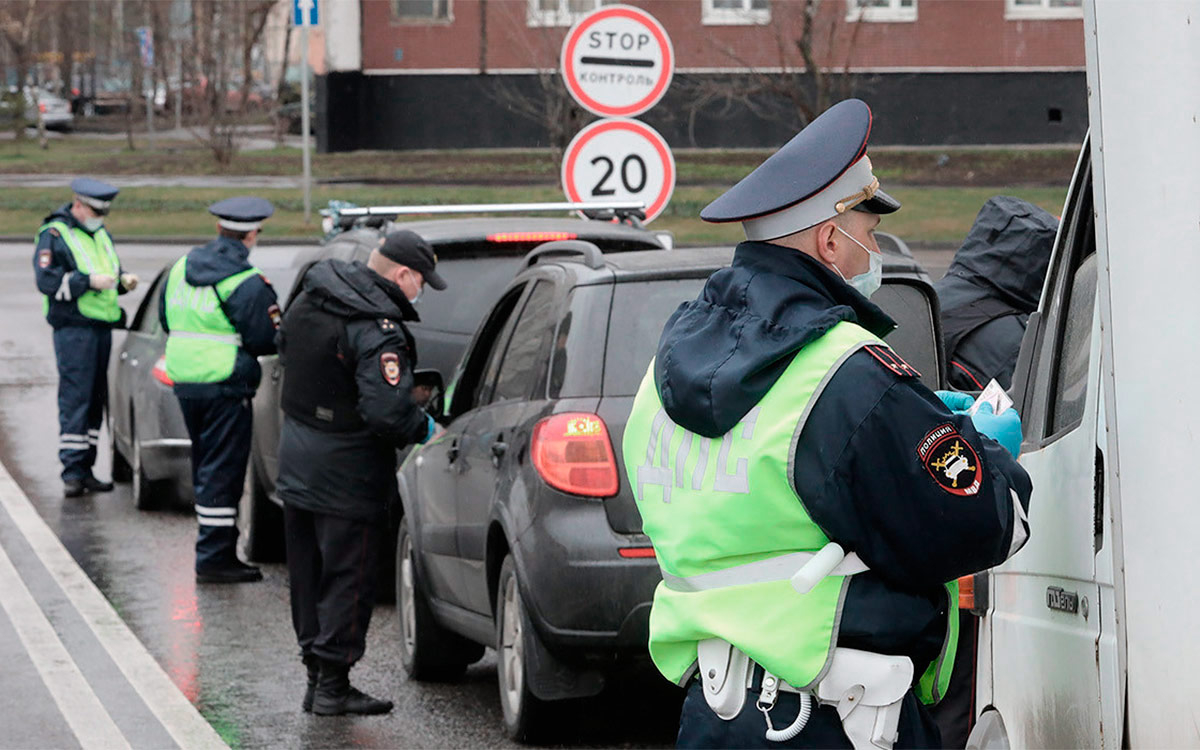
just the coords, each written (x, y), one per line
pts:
(305, 7)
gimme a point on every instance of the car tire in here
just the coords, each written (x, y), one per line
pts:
(121, 470)
(261, 522)
(428, 651)
(147, 495)
(525, 715)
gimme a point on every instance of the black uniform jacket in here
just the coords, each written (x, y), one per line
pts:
(352, 473)
(863, 461)
(252, 309)
(52, 260)
(991, 288)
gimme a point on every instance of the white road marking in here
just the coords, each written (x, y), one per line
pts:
(76, 700)
(178, 716)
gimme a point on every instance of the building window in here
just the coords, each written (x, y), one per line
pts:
(735, 12)
(881, 11)
(1019, 10)
(562, 12)
(421, 10)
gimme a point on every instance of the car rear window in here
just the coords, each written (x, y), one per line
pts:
(639, 311)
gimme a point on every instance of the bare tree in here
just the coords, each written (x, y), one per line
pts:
(796, 88)
(546, 103)
(221, 27)
(18, 19)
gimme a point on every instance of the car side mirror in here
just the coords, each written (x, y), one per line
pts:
(429, 391)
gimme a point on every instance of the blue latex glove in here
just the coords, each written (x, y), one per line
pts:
(1004, 428)
(955, 401)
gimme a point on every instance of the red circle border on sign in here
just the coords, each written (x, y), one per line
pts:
(600, 127)
(660, 35)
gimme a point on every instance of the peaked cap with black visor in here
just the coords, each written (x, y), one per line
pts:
(821, 173)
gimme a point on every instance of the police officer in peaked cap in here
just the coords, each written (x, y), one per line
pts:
(811, 501)
(220, 314)
(349, 404)
(79, 275)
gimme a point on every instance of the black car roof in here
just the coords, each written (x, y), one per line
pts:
(702, 261)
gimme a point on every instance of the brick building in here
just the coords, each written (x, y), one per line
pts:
(409, 74)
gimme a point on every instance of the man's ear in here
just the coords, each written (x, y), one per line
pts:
(824, 238)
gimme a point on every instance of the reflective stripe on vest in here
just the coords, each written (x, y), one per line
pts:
(202, 344)
(729, 533)
(93, 255)
(780, 568)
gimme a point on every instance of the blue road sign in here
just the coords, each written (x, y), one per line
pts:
(300, 17)
(145, 36)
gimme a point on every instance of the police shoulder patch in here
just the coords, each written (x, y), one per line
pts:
(44, 257)
(951, 461)
(273, 312)
(54, 232)
(389, 365)
(892, 361)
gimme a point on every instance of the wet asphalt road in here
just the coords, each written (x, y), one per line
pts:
(231, 649)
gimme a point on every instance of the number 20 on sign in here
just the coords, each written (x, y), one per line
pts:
(620, 160)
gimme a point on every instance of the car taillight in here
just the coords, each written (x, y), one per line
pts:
(636, 552)
(530, 236)
(160, 372)
(572, 453)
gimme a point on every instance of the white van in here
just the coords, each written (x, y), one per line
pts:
(1090, 633)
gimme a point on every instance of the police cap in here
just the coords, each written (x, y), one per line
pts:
(411, 249)
(819, 174)
(241, 214)
(94, 193)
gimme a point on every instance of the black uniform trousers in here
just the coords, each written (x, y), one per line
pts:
(220, 429)
(332, 571)
(82, 356)
(699, 727)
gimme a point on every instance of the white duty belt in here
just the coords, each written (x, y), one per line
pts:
(868, 689)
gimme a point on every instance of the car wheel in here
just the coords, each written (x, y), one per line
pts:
(261, 522)
(121, 470)
(145, 492)
(427, 650)
(525, 715)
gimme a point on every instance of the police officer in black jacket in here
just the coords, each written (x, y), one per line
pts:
(348, 407)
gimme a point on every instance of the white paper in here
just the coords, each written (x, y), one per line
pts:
(993, 394)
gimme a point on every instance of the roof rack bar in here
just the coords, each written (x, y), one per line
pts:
(487, 208)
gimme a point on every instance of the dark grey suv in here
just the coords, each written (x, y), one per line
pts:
(519, 529)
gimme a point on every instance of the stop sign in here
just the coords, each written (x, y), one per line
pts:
(617, 61)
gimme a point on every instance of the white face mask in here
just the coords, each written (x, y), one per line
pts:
(93, 223)
(866, 283)
(414, 300)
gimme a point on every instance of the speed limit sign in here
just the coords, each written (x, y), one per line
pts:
(620, 160)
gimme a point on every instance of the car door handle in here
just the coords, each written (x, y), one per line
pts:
(276, 374)
(452, 452)
(498, 450)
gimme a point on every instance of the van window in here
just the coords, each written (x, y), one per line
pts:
(471, 383)
(1070, 378)
(576, 360)
(639, 312)
(528, 346)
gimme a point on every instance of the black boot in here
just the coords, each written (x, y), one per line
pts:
(314, 670)
(92, 484)
(235, 571)
(335, 696)
(73, 488)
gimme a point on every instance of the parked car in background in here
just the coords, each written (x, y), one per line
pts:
(477, 257)
(150, 444)
(55, 110)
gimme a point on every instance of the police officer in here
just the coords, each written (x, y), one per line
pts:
(348, 406)
(810, 501)
(79, 275)
(220, 313)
